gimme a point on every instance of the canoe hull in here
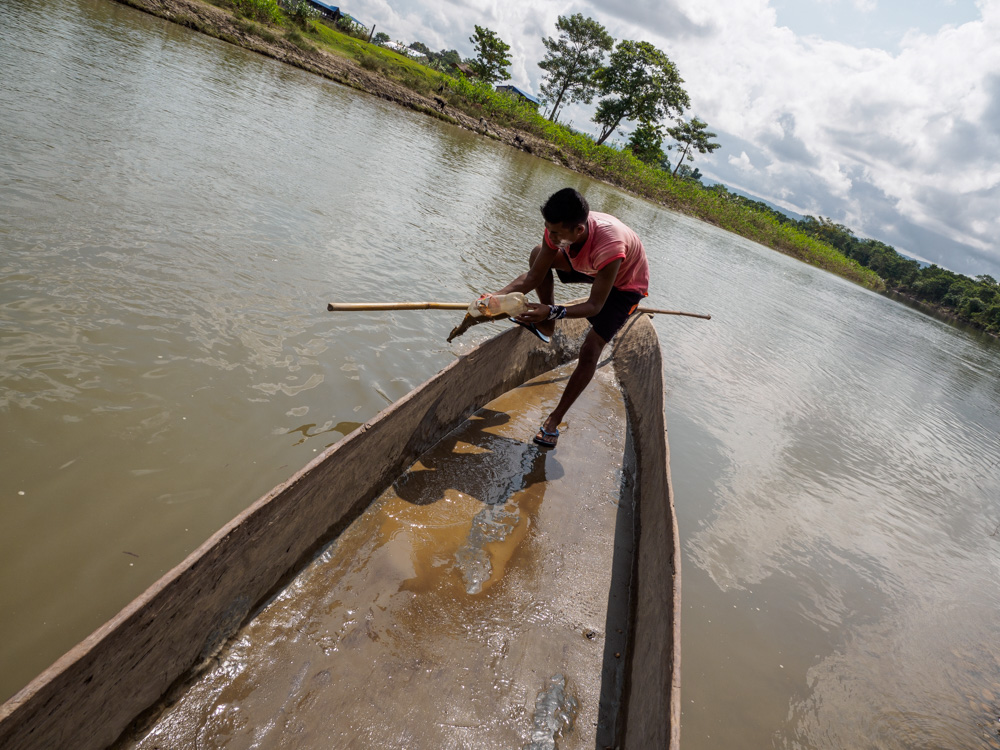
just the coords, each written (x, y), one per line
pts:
(90, 696)
(652, 686)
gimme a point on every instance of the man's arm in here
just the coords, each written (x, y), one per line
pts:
(599, 292)
(528, 282)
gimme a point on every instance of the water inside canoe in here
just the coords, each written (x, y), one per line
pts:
(466, 608)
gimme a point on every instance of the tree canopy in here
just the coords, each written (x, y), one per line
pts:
(693, 137)
(646, 143)
(639, 83)
(492, 61)
(571, 61)
(449, 56)
(441, 60)
(686, 173)
(380, 38)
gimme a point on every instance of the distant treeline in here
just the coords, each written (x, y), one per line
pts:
(973, 300)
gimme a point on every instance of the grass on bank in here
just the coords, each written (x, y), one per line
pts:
(576, 150)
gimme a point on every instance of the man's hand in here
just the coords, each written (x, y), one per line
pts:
(536, 313)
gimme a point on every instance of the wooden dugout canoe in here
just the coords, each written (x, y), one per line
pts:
(95, 692)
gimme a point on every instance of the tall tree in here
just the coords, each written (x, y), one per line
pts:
(492, 56)
(572, 60)
(693, 137)
(444, 60)
(421, 48)
(686, 173)
(646, 143)
(640, 83)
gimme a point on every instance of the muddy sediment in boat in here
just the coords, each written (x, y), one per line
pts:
(467, 607)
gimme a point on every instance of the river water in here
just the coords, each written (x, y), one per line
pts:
(175, 214)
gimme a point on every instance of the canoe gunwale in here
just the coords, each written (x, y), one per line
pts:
(93, 694)
(653, 656)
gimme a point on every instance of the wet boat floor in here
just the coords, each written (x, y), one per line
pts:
(466, 608)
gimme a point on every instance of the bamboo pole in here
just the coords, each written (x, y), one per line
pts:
(357, 306)
(372, 306)
(657, 311)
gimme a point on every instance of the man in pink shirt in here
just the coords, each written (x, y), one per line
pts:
(583, 247)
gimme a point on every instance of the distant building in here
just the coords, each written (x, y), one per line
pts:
(515, 91)
(330, 12)
(463, 69)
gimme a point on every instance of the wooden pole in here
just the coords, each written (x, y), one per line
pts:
(356, 306)
(656, 311)
(372, 306)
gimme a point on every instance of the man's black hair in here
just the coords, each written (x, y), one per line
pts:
(566, 207)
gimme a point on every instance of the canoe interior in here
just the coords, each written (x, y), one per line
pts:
(95, 692)
(466, 607)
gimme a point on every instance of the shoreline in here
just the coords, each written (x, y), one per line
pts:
(938, 313)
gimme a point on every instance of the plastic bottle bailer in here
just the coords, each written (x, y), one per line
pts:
(492, 305)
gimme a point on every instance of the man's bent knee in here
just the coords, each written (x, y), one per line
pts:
(559, 262)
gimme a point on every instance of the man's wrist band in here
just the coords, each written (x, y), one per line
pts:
(556, 312)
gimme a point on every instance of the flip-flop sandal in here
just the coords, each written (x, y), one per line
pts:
(531, 327)
(546, 438)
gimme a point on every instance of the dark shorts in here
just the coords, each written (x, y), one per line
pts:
(616, 310)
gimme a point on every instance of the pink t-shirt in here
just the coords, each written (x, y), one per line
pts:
(609, 239)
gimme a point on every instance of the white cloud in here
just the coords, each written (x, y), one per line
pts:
(742, 162)
(916, 126)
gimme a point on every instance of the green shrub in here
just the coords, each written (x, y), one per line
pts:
(969, 306)
(296, 38)
(420, 84)
(990, 318)
(299, 12)
(263, 11)
(372, 62)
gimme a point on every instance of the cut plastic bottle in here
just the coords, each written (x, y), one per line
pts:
(492, 305)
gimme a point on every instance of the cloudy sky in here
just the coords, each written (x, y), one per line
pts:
(883, 115)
